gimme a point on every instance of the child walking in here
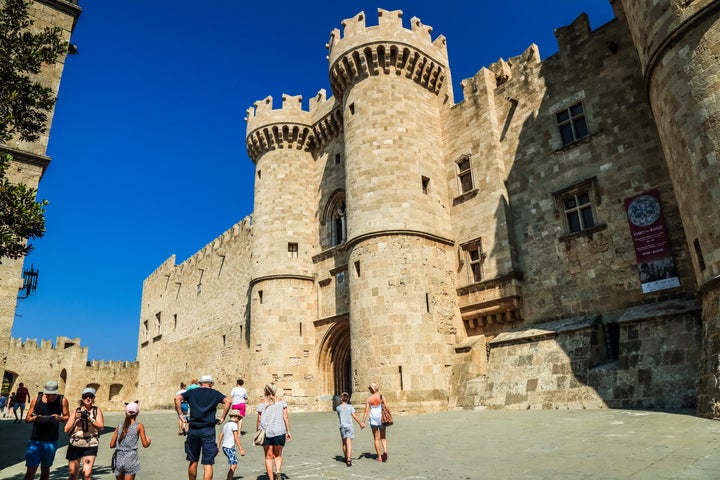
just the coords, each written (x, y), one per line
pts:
(346, 414)
(228, 439)
(126, 462)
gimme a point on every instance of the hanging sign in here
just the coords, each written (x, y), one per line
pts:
(652, 248)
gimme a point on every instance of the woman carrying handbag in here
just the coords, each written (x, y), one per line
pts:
(374, 410)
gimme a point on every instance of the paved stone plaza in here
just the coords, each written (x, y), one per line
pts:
(567, 444)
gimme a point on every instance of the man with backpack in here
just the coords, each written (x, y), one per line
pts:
(45, 413)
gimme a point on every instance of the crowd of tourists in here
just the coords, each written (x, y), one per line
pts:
(196, 405)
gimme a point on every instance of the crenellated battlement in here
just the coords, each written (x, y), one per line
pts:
(502, 71)
(385, 49)
(290, 126)
(31, 345)
(169, 266)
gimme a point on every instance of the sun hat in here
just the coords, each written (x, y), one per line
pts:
(234, 413)
(89, 390)
(132, 407)
(206, 379)
(51, 387)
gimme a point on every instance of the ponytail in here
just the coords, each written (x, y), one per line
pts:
(126, 427)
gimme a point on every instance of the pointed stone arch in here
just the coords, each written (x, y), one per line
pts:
(334, 360)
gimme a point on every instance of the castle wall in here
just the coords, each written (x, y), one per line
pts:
(66, 362)
(447, 294)
(194, 319)
(678, 44)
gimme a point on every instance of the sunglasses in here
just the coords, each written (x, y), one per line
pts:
(88, 395)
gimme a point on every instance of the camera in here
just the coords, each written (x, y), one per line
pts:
(84, 414)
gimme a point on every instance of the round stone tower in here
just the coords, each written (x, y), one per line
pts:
(281, 289)
(393, 84)
(678, 42)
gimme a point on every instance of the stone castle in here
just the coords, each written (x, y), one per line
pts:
(549, 241)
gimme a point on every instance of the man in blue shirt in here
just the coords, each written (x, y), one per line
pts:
(201, 432)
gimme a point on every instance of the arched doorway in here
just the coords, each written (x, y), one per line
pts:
(7, 382)
(334, 361)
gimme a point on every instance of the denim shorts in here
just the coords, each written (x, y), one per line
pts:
(40, 453)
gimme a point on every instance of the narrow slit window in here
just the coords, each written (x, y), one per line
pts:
(425, 185)
(357, 268)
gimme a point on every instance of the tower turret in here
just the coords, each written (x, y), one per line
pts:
(281, 288)
(394, 84)
(678, 43)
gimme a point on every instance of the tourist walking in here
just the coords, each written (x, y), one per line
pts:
(126, 461)
(201, 432)
(11, 407)
(22, 395)
(373, 411)
(346, 414)
(45, 414)
(228, 439)
(185, 407)
(238, 399)
(84, 426)
(273, 417)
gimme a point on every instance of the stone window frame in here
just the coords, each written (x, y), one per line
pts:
(566, 105)
(335, 219)
(565, 212)
(293, 249)
(463, 174)
(474, 256)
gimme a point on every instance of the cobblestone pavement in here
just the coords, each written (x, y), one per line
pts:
(567, 444)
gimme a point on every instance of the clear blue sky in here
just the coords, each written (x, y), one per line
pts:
(148, 140)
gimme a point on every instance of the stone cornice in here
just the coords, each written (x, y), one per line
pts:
(386, 58)
(273, 136)
(21, 156)
(266, 278)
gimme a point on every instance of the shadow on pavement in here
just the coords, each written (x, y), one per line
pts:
(13, 442)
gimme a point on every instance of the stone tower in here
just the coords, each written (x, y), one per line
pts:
(393, 85)
(282, 284)
(678, 43)
(30, 158)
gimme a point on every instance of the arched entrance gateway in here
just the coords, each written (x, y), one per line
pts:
(334, 359)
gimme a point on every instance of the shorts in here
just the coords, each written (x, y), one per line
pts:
(40, 453)
(230, 454)
(201, 439)
(76, 453)
(241, 408)
(184, 407)
(278, 441)
(347, 432)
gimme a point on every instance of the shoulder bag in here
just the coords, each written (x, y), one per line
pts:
(259, 437)
(386, 416)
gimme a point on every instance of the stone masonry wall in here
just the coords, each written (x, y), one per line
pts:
(194, 319)
(66, 362)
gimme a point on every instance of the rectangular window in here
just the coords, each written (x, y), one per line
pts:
(572, 124)
(464, 174)
(578, 211)
(337, 159)
(292, 250)
(577, 205)
(475, 258)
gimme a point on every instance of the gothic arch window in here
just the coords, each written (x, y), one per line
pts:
(335, 219)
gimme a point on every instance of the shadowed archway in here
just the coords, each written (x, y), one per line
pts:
(334, 360)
